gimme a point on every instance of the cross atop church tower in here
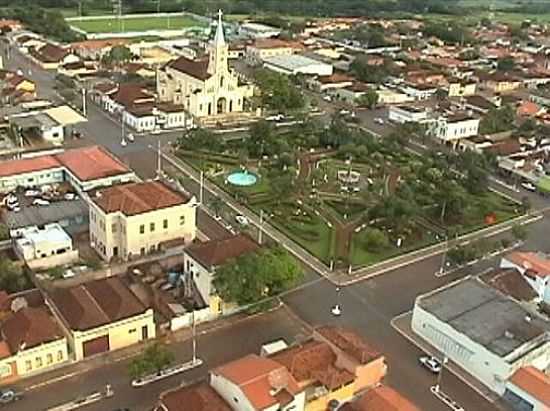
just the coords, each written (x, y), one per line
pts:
(218, 50)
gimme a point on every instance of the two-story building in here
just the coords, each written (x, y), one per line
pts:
(135, 219)
(451, 128)
(202, 259)
(535, 268)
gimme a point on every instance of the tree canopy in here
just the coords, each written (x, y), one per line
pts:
(254, 276)
(278, 92)
(155, 358)
(12, 277)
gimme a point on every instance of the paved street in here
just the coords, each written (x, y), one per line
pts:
(368, 306)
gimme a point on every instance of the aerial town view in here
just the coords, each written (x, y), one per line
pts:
(275, 205)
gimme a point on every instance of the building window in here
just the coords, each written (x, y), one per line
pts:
(152, 227)
(60, 355)
(165, 224)
(49, 358)
(131, 331)
(182, 219)
(28, 365)
(142, 229)
(38, 361)
(113, 228)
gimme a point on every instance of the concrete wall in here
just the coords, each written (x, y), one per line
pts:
(56, 260)
(230, 393)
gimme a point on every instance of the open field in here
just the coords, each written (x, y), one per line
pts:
(115, 25)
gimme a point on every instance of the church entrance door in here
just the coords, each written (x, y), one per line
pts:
(222, 105)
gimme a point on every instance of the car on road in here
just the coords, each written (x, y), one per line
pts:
(345, 112)
(529, 186)
(242, 220)
(40, 202)
(70, 196)
(130, 137)
(431, 363)
(327, 98)
(379, 120)
(276, 117)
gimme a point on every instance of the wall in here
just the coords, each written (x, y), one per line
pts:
(119, 333)
(54, 260)
(457, 130)
(341, 395)
(37, 178)
(186, 320)
(143, 123)
(401, 116)
(537, 405)
(38, 357)
(230, 393)
(53, 134)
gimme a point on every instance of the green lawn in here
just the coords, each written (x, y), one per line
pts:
(114, 25)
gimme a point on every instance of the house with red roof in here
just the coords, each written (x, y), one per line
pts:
(380, 398)
(31, 341)
(84, 168)
(535, 267)
(135, 219)
(529, 389)
(258, 383)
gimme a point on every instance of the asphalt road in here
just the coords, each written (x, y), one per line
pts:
(368, 306)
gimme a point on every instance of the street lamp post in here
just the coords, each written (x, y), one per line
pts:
(261, 227)
(440, 375)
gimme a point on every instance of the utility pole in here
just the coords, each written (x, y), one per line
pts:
(158, 6)
(260, 233)
(194, 332)
(201, 189)
(440, 375)
(80, 9)
(84, 108)
(159, 160)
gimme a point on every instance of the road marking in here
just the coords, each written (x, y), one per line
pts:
(52, 381)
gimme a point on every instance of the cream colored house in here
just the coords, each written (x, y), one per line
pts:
(264, 48)
(205, 87)
(101, 316)
(135, 219)
(31, 340)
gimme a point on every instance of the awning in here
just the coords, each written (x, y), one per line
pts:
(65, 115)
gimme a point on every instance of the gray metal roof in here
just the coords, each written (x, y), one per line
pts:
(484, 315)
(292, 62)
(45, 214)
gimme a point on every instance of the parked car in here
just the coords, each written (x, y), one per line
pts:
(130, 137)
(15, 208)
(11, 200)
(242, 220)
(276, 117)
(431, 363)
(327, 98)
(378, 120)
(345, 112)
(8, 395)
(529, 186)
(70, 196)
(40, 202)
(32, 193)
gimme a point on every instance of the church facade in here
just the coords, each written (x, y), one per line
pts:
(205, 87)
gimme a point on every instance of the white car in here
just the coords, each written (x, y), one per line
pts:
(40, 202)
(327, 98)
(277, 117)
(242, 220)
(431, 363)
(123, 143)
(11, 200)
(32, 193)
(345, 112)
(378, 120)
(15, 208)
(70, 196)
(529, 186)
(130, 137)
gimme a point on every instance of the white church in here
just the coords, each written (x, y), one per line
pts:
(205, 87)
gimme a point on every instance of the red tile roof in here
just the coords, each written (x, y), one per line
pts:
(96, 303)
(30, 327)
(258, 377)
(383, 398)
(534, 382)
(138, 198)
(196, 397)
(195, 68)
(50, 53)
(129, 94)
(92, 163)
(28, 165)
(350, 343)
(314, 362)
(214, 253)
(533, 262)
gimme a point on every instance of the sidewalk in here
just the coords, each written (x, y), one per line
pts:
(402, 324)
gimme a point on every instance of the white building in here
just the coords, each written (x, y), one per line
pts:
(455, 127)
(419, 91)
(486, 333)
(407, 114)
(535, 268)
(255, 383)
(259, 31)
(297, 64)
(45, 247)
